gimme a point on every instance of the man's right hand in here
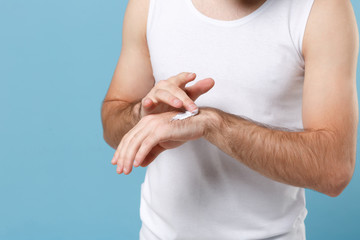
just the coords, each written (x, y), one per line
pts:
(171, 94)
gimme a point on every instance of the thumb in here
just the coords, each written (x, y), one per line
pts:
(199, 88)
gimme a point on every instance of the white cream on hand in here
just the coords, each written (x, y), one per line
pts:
(187, 114)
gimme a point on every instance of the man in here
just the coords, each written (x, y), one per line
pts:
(278, 113)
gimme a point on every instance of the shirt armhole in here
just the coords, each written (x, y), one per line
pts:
(150, 17)
(299, 15)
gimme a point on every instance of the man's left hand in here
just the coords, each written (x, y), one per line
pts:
(154, 134)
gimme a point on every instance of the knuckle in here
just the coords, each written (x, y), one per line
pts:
(139, 157)
(173, 88)
(117, 153)
(172, 99)
(162, 83)
(128, 163)
(174, 78)
(126, 142)
(148, 118)
(124, 160)
(120, 161)
(183, 74)
(125, 137)
(135, 138)
(146, 142)
(157, 91)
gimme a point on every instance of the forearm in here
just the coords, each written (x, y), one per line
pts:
(118, 118)
(310, 158)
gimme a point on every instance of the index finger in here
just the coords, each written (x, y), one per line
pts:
(183, 78)
(188, 103)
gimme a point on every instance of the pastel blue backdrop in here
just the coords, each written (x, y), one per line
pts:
(56, 181)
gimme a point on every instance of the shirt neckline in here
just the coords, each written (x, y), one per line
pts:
(228, 23)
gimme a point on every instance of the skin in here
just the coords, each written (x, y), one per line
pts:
(227, 10)
(132, 93)
(321, 157)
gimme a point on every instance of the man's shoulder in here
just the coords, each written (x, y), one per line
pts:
(135, 19)
(329, 19)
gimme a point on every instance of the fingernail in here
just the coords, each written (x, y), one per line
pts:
(113, 160)
(124, 170)
(135, 164)
(177, 101)
(195, 111)
(146, 102)
(193, 107)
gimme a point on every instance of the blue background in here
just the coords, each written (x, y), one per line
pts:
(56, 181)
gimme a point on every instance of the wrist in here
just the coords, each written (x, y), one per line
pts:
(137, 112)
(211, 120)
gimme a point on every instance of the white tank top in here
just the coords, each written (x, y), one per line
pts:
(196, 191)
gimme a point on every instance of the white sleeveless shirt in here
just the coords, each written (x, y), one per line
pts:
(196, 191)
